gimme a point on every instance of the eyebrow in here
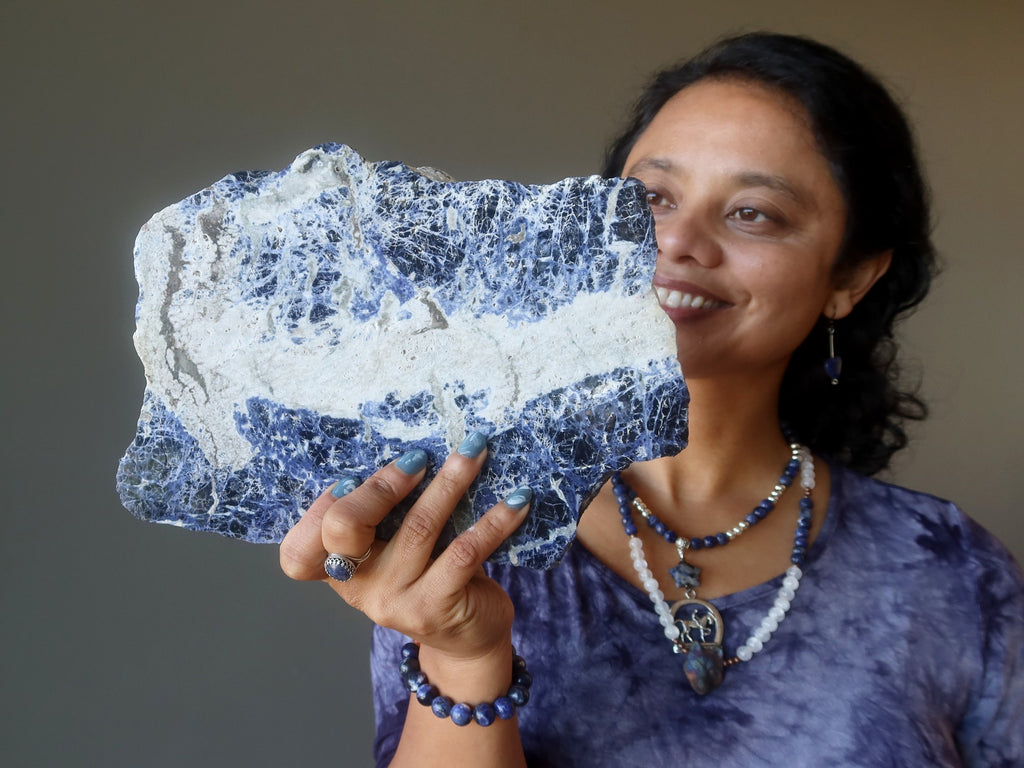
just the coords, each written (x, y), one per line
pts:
(655, 163)
(745, 178)
(771, 181)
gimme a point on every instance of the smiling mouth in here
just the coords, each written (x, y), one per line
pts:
(680, 300)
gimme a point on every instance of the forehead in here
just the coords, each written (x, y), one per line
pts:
(731, 117)
(741, 133)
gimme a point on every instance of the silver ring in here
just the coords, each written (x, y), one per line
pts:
(343, 567)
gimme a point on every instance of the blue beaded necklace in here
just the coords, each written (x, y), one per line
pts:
(699, 631)
(684, 574)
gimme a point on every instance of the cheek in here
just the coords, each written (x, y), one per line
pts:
(794, 287)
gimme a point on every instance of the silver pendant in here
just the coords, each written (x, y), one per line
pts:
(702, 631)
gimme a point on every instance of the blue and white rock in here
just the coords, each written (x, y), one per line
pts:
(320, 321)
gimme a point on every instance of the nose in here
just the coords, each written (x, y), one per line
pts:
(684, 235)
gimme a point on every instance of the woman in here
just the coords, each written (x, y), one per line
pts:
(841, 622)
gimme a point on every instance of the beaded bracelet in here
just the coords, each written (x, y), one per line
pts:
(503, 707)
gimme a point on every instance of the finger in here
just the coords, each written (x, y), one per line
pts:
(350, 523)
(413, 544)
(302, 551)
(462, 559)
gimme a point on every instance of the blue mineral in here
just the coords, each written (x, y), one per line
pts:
(322, 320)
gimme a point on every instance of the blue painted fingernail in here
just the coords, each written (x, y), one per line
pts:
(519, 498)
(473, 445)
(412, 461)
(343, 487)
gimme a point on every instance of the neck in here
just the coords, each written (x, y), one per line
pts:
(736, 447)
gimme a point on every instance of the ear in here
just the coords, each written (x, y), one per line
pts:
(855, 283)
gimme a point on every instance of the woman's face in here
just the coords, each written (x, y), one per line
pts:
(749, 222)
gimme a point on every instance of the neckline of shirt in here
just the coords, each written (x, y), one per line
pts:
(758, 591)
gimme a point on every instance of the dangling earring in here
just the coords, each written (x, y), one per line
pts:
(834, 363)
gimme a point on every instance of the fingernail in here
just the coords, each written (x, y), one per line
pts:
(519, 498)
(412, 461)
(473, 445)
(343, 487)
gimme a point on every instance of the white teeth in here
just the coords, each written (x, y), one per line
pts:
(675, 299)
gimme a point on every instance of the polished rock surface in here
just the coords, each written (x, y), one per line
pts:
(319, 321)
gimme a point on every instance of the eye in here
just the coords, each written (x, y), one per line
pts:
(656, 199)
(751, 215)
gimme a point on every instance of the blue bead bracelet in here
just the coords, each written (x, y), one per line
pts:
(503, 707)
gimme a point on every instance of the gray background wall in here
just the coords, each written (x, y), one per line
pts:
(127, 644)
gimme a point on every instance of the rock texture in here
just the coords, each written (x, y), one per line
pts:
(322, 320)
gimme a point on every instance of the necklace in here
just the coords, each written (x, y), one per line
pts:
(697, 633)
(687, 575)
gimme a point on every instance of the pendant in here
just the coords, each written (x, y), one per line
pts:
(702, 630)
(685, 575)
(704, 667)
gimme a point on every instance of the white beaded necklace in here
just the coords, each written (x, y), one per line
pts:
(705, 663)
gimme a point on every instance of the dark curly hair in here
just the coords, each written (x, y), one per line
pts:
(869, 146)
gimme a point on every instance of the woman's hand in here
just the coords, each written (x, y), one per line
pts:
(461, 618)
(447, 604)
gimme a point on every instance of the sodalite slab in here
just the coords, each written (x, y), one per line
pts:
(322, 320)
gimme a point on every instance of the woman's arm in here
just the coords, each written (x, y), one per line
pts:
(460, 617)
(428, 741)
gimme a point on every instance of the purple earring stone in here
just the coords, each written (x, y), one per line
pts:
(833, 367)
(833, 363)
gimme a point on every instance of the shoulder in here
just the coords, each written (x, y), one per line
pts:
(917, 522)
(852, 489)
(940, 565)
(926, 555)
(943, 596)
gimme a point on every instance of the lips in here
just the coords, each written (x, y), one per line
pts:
(678, 299)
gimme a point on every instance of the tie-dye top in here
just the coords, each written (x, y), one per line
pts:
(904, 647)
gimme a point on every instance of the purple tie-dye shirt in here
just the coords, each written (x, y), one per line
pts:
(904, 647)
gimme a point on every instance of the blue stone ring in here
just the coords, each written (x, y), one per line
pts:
(343, 567)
